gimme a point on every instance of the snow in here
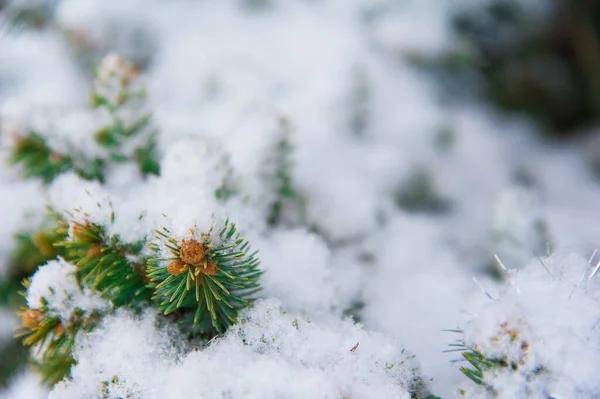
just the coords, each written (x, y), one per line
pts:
(269, 353)
(55, 291)
(547, 319)
(298, 272)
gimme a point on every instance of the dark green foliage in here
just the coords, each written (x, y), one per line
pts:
(480, 364)
(24, 260)
(31, 250)
(54, 369)
(103, 264)
(285, 196)
(418, 195)
(228, 187)
(418, 387)
(36, 159)
(203, 300)
(28, 15)
(145, 157)
(90, 169)
(52, 340)
(354, 310)
(13, 358)
(207, 296)
(199, 301)
(114, 136)
(544, 66)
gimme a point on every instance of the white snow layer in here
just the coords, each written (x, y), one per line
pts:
(54, 289)
(546, 323)
(268, 354)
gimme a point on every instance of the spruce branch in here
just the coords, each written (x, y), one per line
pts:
(285, 193)
(14, 359)
(27, 15)
(208, 280)
(118, 91)
(229, 186)
(32, 249)
(51, 339)
(129, 136)
(106, 265)
(37, 159)
(145, 157)
(103, 264)
(512, 359)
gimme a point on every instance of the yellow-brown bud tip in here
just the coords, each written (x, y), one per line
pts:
(31, 318)
(192, 252)
(44, 244)
(79, 232)
(177, 267)
(208, 267)
(95, 251)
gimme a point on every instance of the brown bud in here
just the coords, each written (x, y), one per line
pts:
(55, 157)
(208, 267)
(79, 232)
(59, 331)
(31, 318)
(19, 142)
(140, 269)
(95, 251)
(44, 244)
(192, 252)
(177, 267)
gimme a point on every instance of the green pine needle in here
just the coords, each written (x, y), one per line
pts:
(37, 159)
(208, 300)
(103, 264)
(51, 340)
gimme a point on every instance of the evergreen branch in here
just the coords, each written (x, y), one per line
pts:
(103, 264)
(31, 250)
(52, 340)
(37, 159)
(115, 87)
(285, 193)
(229, 186)
(481, 364)
(145, 156)
(207, 281)
(14, 359)
(27, 15)
(54, 368)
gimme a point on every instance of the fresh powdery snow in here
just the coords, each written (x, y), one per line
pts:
(435, 226)
(270, 353)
